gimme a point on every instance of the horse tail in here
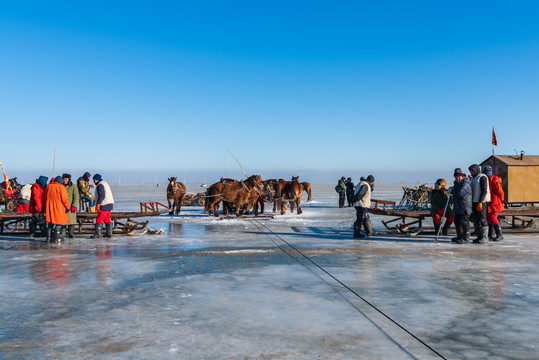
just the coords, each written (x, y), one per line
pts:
(207, 202)
(308, 190)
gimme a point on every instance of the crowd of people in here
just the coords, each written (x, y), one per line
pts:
(477, 198)
(54, 205)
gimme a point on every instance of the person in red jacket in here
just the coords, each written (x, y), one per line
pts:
(37, 208)
(497, 199)
(56, 207)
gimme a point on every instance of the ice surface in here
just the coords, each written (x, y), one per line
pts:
(229, 289)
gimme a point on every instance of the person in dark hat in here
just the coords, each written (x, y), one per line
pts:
(349, 191)
(462, 206)
(341, 190)
(73, 198)
(362, 202)
(438, 201)
(104, 206)
(37, 207)
(56, 207)
(83, 183)
(496, 204)
(480, 198)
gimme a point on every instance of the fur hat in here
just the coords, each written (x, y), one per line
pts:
(370, 178)
(86, 175)
(98, 177)
(66, 176)
(458, 172)
(440, 184)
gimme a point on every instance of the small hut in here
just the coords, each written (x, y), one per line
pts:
(520, 176)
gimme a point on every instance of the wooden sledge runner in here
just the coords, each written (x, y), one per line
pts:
(17, 223)
(520, 219)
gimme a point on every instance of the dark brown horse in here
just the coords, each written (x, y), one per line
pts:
(308, 190)
(237, 192)
(175, 193)
(292, 192)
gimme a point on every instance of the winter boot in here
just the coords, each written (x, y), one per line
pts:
(48, 235)
(368, 229)
(98, 232)
(357, 228)
(32, 228)
(108, 228)
(445, 229)
(483, 235)
(59, 233)
(92, 209)
(42, 231)
(491, 232)
(71, 231)
(437, 228)
(499, 236)
(458, 229)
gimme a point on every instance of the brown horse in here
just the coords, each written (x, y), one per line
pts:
(175, 193)
(238, 192)
(292, 192)
(308, 190)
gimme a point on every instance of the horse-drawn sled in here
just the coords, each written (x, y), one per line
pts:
(123, 222)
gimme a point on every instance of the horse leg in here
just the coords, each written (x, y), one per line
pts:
(179, 205)
(171, 206)
(299, 208)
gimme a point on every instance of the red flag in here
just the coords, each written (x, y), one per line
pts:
(494, 140)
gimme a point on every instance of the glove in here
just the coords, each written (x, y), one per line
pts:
(479, 207)
(97, 207)
(91, 197)
(73, 209)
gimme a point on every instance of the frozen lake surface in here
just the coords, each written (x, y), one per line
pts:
(239, 289)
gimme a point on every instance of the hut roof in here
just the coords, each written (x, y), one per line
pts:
(514, 160)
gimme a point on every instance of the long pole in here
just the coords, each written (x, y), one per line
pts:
(443, 215)
(244, 173)
(53, 162)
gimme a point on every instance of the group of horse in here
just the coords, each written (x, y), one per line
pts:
(240, 196)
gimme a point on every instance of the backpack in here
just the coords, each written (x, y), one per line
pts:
(338, 188)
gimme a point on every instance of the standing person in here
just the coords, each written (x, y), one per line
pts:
(23, 202)
(341, 190)
(56, 208)
(462, 206)
(438, 200)
(480, 198)
(497, 199)
(350, 191)
(362, 201)
(105, 203)
(37, 207)
(73, 198)
(83, 184)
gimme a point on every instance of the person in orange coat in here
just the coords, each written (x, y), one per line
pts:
(497, 198)
(56, 207)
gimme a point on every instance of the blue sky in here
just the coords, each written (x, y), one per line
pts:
(311, 87)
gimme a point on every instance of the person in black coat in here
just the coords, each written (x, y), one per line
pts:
(341, 190)
(350, 191)
(462, 206)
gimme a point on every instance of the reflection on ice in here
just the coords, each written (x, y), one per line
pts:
(213, 289)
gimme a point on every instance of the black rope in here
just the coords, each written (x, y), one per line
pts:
(351, 290)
